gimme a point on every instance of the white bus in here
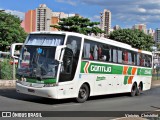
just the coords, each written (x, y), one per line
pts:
(62, 65)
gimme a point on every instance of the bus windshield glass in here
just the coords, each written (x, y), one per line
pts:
(45, 40)
(37, 57)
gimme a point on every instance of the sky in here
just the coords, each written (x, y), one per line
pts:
(125, 13)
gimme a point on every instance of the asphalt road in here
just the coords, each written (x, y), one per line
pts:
(10, 100)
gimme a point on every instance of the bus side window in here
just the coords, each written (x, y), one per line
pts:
(141, 58)
(138, 59)
(114, 56)
(133, 58)
(125, 57)
(89, 50)
(120, 56)
(95, 52)
(105, 54)
(86, 50)
(148, 62)
(129, 58)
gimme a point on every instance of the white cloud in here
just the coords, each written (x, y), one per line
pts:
(15, 12)
(154, 11)
(141, 10)
(68, 2)
(130, 11)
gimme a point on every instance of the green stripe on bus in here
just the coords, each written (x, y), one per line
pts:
(129, 71)
(99, 68)
(82, 66)
(45, 81)
(117, 69)
(126, 79)
(144, 71)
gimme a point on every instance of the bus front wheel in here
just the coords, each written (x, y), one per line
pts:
(83, 94)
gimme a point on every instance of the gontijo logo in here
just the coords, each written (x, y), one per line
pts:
(100, 68)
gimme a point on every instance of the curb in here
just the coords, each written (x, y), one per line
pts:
(7, 83)
(155, 85)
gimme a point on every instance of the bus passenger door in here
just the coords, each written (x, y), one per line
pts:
(67, 87)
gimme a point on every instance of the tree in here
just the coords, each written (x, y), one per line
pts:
(135, 38)
(10, 30)
(79, 25)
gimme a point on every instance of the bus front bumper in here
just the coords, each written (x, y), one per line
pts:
(48, 92)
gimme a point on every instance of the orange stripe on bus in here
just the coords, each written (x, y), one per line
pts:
(134, 70)
(130, 79)
(125, 69)
(86, 67)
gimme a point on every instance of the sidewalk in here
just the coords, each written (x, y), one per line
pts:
(7, 84)
(155, 83)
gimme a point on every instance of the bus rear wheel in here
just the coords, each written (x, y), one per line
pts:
(133, 90)
(83, 94)
(139, 89)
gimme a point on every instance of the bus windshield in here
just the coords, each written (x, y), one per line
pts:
(37, 62)
(37, 56)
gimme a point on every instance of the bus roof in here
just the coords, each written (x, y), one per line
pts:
(97, 39)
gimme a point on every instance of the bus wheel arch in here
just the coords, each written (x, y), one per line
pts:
(134, 89)
(84, 93)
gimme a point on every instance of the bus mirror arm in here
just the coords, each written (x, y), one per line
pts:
(58, 53)
(12, 50)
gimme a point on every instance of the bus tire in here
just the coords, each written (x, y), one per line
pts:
(83, 94)
(139, 89)
(133, 90)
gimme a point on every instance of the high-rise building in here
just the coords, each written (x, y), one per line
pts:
(157, 35)
(63, 15)
(141, 27)
(116, 27)
(105, 23)
(29, 22)
(43, 18)
(151, 32)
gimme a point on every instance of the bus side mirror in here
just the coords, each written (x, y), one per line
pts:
(58, 52)
(12, 50)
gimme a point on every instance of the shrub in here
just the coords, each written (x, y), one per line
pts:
(6, 70)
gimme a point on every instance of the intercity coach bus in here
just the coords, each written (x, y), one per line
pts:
(63, 65)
